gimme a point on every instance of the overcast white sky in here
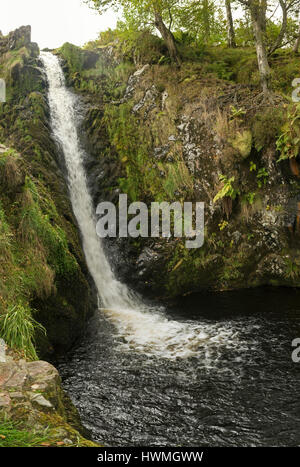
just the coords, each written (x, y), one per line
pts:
(54, 21)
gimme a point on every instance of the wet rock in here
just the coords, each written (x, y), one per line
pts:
(31, 393)
(148, 102)
(172, 138)
(20, 37)
(133, 81)
(161, 152)
(189, 143)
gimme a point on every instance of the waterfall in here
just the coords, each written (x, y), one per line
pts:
(142, 328)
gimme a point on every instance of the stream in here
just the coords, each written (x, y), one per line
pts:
(214, 371)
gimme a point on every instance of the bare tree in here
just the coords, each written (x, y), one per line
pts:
(288, 7)
(258, 11)
(157, 10)
(230, 29)
(297, 43)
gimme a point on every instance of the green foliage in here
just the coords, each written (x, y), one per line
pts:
(235, 112)
(13, 435)
(227, 190)
(244, 32)
(222, 225)
(204, 21)
(18, 328)
(36, 227)
(73, 55)
(288, 143)
(285, 67)
(266, 127)
(232, 269)
(221, 69)
(262, 176)
(5, 235)
(249, 197)
(292, 268)
(177, 178)
(33, 251)
(124, 136)
(143, 179)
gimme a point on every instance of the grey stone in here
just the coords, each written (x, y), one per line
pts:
(41, 400)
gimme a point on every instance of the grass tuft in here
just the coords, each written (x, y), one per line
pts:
(11, 435)
(18, 327)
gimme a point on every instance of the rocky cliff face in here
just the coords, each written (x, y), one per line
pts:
(44, 278)
(43, 267)
(162, 134)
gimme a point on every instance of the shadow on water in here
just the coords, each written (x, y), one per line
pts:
(240, 388)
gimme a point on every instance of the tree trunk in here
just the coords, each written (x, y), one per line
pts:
(167, 37)
(282, 32)
(297, 43)
(230, 29)
(258, 16)
(206, 20)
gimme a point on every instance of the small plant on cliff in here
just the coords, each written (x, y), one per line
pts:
(292, 268)
(18, 328)
(227, 189)
(266, 127)
(236, 113)
(227, 194)
(223, 225)
(262, 176)
(249, 197)
(288, 143)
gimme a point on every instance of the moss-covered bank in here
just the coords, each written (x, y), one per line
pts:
(42, 264)
(46, 294)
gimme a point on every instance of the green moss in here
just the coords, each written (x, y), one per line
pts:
(288, 142)
(266, 127)
(37, 225)
(36, 239)
(12, 435)
(232, 270)
(242, 143)
(145, 178)
(74, 57)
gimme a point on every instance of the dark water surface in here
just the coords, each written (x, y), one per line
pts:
(241, 389)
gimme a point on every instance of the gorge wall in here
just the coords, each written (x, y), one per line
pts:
(195, 134)
(42, 267)
(46, 294)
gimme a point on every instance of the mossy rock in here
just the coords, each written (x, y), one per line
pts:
(242, 143)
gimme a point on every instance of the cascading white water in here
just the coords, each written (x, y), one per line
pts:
(142, 328)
